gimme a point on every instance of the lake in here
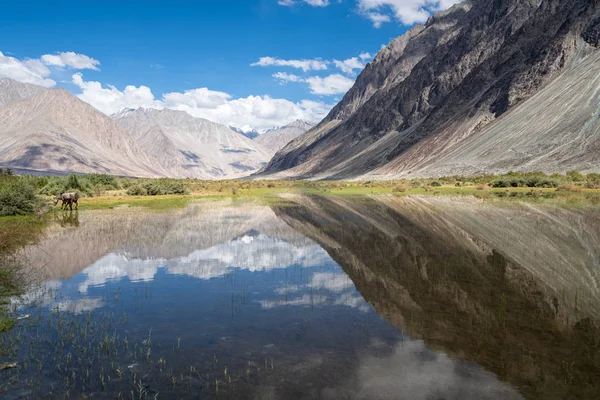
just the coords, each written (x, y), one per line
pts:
(312, 297)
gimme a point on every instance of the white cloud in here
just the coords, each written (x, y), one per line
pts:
(70, 59)
(348, 66)
(260, 112)
(407, 12)
(284, 77)
(329, 85)
(110, 99)
(304, 65)
(197, 98)
(26, 71)
(365, 56)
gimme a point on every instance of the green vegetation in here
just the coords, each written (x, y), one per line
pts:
(17, 195)
(157, 187)
(15, 232)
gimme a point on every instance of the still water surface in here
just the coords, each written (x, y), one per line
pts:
(313, 297)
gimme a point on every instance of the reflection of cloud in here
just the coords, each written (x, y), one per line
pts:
(413, 371)
(79, 306)
(115, 266)
(288, 289)
(260, 253)
(331, 281)
(46, 296)
(305, 300)
(338, 283)
(352, 300)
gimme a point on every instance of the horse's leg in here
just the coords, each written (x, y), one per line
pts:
(76, 205)
(71, 205)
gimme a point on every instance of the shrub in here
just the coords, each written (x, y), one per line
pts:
(61, 184)
(575, 176)
(103, 181)
(157, 187)
(436, 184)
(137, 190)
(415, 183)
(17, 197)
(500, 183)
(399, 189)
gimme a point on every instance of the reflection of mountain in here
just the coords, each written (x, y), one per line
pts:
(512, 287)
(203, 241)
(262, 253)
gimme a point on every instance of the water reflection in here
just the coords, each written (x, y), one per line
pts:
(316, 297)
(513, 287)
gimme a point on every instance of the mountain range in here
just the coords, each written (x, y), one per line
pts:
(486, 86)
(52, 131)
(277, 138)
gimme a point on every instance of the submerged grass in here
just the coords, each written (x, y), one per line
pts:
(15, 232)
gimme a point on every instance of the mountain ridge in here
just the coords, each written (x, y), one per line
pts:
(485, 58)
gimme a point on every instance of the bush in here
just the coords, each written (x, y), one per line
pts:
(415, 183)
(575, 176)
(137, 190)
(157, 187)
(399, 189)
(436, 184)
(17, 197)
(61, 184)
(103, 182)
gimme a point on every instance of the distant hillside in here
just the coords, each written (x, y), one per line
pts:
(277, 138)
(52, 131)
(184, 146)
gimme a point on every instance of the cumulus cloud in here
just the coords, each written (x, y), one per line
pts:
(304, 65)
(349, 65)
(27, 71)
(261, 112)
(407, 12)
(36, 71)
(284, 77)
(70, 59)
(110, 99)
(329, 85)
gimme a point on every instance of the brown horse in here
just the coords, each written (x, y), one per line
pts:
(67, 200)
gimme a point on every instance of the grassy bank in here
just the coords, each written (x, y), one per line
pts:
(15, 232)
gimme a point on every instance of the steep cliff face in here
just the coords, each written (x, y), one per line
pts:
(442, 87)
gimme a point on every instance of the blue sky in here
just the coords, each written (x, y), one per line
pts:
(245, 63)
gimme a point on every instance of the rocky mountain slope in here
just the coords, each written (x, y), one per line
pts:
(486, 86)
(51, 130)
(184, 146)
(277, 138)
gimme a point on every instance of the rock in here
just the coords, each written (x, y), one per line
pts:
(436, 100)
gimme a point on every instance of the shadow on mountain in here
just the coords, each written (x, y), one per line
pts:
(512, 287)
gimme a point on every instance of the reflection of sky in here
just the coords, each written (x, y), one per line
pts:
(252, 253)
(267, 289)
(321, 282)
(413, 371)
